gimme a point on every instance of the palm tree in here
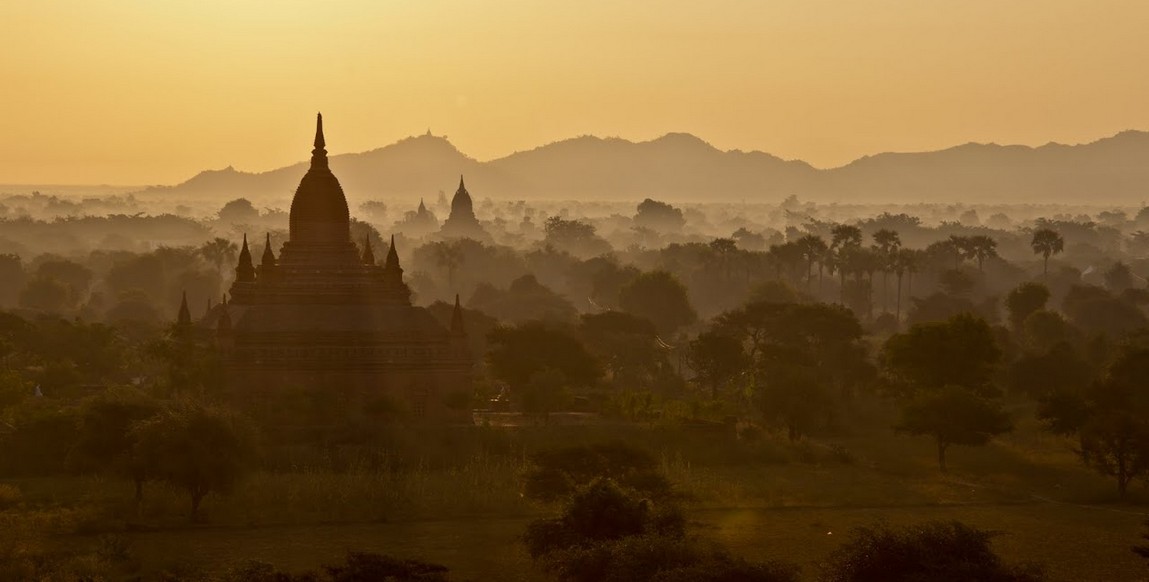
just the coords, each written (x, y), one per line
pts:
(905, 263)
(846, 239)
(981, 247)
(887, 242)
(813, 248)
(1046, 242)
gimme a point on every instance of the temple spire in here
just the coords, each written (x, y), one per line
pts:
(184, 319)
(268, 259)
(392, 262)
(462, 188)
(368, 254)
(319, 154)
(457, 318)
(244, 270)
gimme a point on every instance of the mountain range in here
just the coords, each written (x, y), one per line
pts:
(680, 167)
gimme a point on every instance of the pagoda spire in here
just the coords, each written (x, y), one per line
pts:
(457, 319)
(319, 154)
(392, 262)
(462, 187)
(368, 254)
(244, 270)
(268, 259)
(184, 319)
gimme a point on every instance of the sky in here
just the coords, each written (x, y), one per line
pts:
(152, 92)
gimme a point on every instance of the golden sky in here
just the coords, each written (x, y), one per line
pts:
(153, 91)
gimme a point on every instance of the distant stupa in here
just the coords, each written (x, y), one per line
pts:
(325, 319)
(462, 222)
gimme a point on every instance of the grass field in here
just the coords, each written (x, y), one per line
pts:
(792, 504)
(1074, 543)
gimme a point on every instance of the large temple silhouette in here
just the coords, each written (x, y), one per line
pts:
(324, 319)
(462, 223)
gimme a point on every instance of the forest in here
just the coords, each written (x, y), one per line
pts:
(705, 391)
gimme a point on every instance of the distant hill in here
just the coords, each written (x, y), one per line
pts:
(681, 167)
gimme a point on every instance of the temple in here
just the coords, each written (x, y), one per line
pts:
(462, 222)
(322, 323)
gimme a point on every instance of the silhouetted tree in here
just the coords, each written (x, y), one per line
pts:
(1023, 301)
(1046, 242)
(717, 358)
(659, 216)
(659, 297)
(953, 416)
(196, 448)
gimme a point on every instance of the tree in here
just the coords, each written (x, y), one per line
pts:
(1024, 300)
(1046, 242)
(1119, 277)
(953, 416)
(197, 448)
(219, 252)
(888, 244)
(814, 249)
(538, 361)
(46, 293)
(716, 358)
(106, 440)
(1115, 436)
(980, 248)
(846, 240)
(659, 297)
(930, 356)
(12, 278)
(238, 211)
(943, 374)
(659, 216)
(935, 551)
(627, 346)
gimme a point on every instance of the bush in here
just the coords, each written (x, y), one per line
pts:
(558, 473)
(662, 559)
(935, 551)
(602, 511)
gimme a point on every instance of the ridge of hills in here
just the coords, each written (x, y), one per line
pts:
(680, 167)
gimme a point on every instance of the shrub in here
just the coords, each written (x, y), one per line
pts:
(662, 559)
(935, 551)
(557, 473)
(602, 511)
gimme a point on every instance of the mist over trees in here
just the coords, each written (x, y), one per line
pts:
(630, 360)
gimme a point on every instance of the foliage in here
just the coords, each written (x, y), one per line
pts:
(953, 416)
(555, 474)
(659, 297)
(196, 448)
(655, 558)
(934, 551)
(961, 352)
(602, 511)
(517, 353)
(1024, 300)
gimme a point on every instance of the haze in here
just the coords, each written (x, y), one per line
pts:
(123, 92)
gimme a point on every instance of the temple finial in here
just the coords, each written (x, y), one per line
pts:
(319, 154)
(268, 259)
(368, 254)
(457, 318)
(462, 188)
(319, 141)
(244, 270)
(184, 319)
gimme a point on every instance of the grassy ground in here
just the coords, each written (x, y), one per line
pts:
(1074, 543)
(773, 502)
